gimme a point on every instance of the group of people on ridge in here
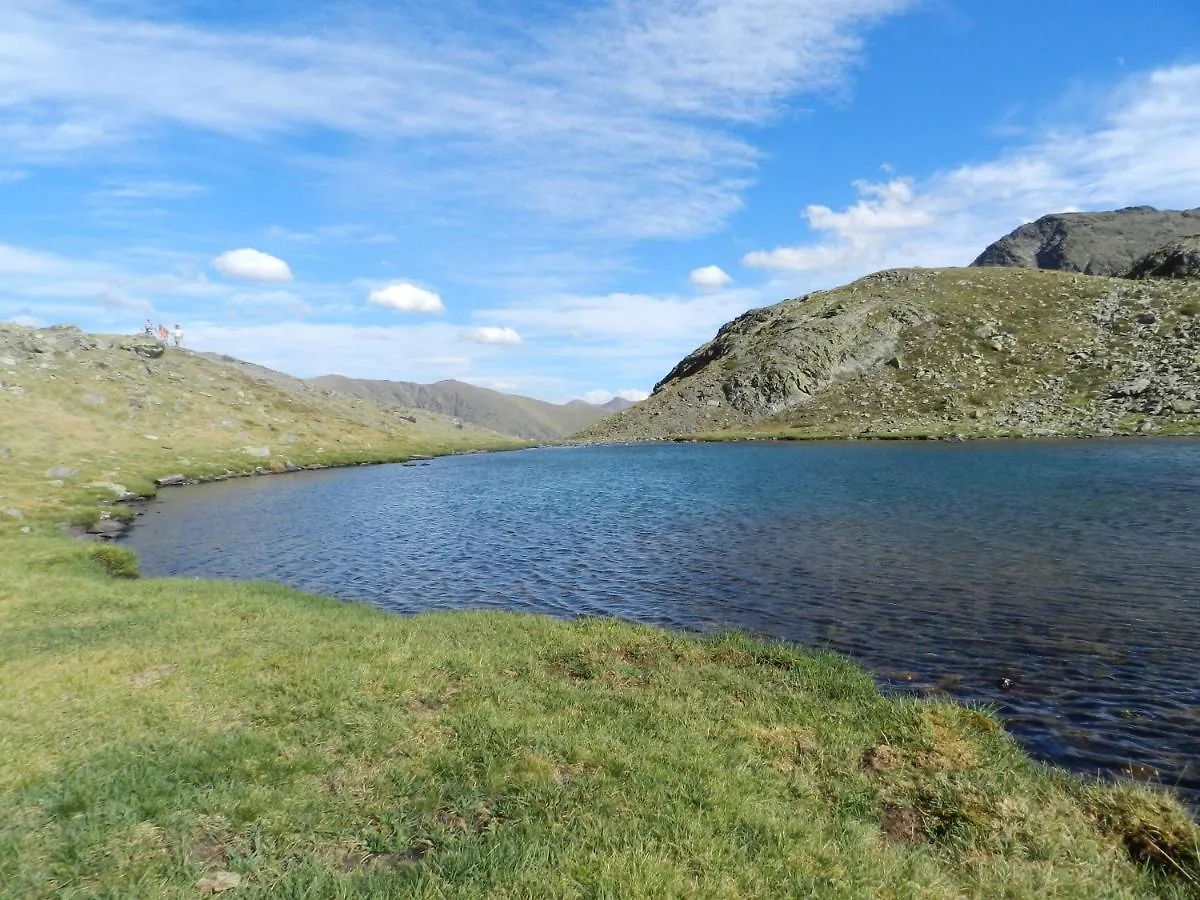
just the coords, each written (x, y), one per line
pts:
(160, 333)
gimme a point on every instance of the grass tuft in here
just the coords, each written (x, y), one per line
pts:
(119, 562)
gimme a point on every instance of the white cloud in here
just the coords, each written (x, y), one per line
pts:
(253, 265)
(493, 335)
(600, 397)
(12, 176)
(407, 298)
(17, 261)
(118, 300)
(148, 190)
(710, 278)
(1141, 151)
(616, 115)
(622, 321)
(352, 232)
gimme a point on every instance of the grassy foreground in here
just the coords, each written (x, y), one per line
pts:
(166, 738)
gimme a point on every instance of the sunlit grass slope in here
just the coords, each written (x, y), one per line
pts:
(160, 735)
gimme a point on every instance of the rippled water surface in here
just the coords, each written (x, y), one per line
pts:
(1072, 568)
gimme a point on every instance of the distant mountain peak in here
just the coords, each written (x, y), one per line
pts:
(1091, 243)
(510, 414)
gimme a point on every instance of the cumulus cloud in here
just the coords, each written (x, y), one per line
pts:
(1142, 151)
(253, 265)
(493, 335)
(407, 298)
(710, 278)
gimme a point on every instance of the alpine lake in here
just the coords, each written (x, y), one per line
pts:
(1056, 582)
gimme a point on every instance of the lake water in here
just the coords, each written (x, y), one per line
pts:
(1072, 568)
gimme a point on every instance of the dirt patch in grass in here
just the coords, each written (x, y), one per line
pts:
(903, 825)
(209, 851)
(351, 863)
(881, 758)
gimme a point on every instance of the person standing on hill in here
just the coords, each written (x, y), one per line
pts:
(162, 335)
(178, 335)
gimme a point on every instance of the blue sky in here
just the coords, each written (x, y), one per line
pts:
(550, 197)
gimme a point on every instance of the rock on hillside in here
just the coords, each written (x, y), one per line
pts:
(1179, 259)
(510, 414)
(1099, 243)
(988, 351)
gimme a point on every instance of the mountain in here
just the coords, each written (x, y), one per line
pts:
(979, 351)
(1099, 243)
(509, 414)
(617, 404)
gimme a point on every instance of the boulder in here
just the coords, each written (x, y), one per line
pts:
(1133, 388)
(108, 527)
(259, 452)
(60, 472)
(170, 481)
(146, 347)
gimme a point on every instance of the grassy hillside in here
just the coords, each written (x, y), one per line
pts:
(522, 417)
(167, 738)
(974, 352)
(79, 409)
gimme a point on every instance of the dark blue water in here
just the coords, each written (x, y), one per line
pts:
(1072, 568)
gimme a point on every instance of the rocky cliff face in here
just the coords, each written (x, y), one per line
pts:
(1179, 259)
(982, 351)
(1103, 243)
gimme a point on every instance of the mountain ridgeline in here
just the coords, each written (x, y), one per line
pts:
(1020, 344)
(1105, 243)
(508, 414)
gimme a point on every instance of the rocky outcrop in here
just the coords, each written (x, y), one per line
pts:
(985, 351)
(1095, 243)
(1179, 259)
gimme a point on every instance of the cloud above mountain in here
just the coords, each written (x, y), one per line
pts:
(253, 265)
(407, 298)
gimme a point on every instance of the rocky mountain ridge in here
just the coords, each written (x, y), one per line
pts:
(1092, 243)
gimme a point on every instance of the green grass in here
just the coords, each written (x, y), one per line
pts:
(158, 730)
(153, 732)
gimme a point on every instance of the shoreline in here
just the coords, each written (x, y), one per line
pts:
(885, 678)
(188, 652)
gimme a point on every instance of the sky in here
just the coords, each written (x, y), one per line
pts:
(558, 198)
